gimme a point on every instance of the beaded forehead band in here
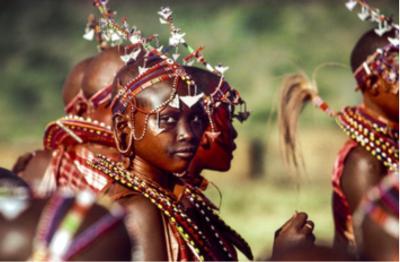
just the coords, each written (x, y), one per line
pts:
(80, 104)
(167, 69)
(383, 62)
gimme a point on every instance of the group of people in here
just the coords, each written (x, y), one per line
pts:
(120, 175)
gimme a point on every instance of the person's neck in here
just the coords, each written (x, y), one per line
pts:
(107, 151)
(143, 169)
(379, 114)
(194, 169)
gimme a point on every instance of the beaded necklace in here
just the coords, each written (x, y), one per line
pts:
(371, 134)
(211, 215)
(194, 236)
(71, 130)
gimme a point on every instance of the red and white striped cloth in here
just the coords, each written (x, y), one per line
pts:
(71, 170)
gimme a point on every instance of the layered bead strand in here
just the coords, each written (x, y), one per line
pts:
(371, 135)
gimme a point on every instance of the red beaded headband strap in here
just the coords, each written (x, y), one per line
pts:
(72, 106)
(101, 97)
(162, 71)
(381, 62)
(384, 63)
(118, 33)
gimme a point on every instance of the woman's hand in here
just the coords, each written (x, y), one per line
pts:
(297, 232)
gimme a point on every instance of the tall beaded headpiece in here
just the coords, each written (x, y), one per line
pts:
(94, 30)
(168, 67)
(384, 62)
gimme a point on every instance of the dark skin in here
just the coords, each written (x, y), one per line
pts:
(23, 228)
(218, 155)
(388, 252)
(361, 170)
(90, 75)
(36, 163)
(17, 234)
(156, 157)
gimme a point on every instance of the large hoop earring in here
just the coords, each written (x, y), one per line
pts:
(123, 151)
(128, 146)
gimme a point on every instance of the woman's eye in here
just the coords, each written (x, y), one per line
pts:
(168, 119)
(197, 119)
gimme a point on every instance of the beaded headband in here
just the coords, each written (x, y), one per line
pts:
(119, 33)
(80, 104)
(383, 62)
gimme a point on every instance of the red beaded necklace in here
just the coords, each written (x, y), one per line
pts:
(205, 243)
(375, 136)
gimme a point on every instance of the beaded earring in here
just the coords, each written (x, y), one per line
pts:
(118, 143)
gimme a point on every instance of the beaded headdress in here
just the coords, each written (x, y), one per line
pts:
(384, 62)
(167, 66)
(380, 138)
(80, 104)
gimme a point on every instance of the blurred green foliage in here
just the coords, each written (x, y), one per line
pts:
(260, 41)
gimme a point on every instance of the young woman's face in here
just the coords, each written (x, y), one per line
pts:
(387, 101)
(218, 154)
(172, 137)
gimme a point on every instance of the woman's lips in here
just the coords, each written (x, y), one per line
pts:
(185, 152)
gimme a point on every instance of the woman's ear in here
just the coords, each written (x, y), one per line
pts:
(123, 134)
(373, 85)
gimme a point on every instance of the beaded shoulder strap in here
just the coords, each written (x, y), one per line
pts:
(381, 205)
(55, 230)
(95, 231)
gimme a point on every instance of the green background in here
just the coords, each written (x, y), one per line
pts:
(260, 41)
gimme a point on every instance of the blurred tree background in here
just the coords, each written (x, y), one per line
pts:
(259, 40)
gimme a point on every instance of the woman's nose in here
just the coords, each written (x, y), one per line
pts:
(185, 132)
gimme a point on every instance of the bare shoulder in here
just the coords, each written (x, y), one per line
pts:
(145, 224)
(377, 244)
(361, 172)
(36, 167)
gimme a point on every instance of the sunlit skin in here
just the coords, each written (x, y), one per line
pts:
(217, 155)
(17, 235)
(25, 225)
(176, 145)
(381, 102)
(156, 157)
(90, 75)
(362, 170)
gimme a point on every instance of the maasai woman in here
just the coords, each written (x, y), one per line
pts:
(59, 228)
(159, 114)
(372, 127)
(72, 140)
(216, 153)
